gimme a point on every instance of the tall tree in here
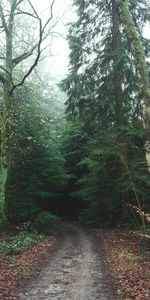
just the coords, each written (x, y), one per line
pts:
(116, 45)
(141, 67)
(103, 92)
(10, 11)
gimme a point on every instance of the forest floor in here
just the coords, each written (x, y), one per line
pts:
(128, 257)
(84, 264)
(18, 268)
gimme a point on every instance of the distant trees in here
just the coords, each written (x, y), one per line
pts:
(17, 49)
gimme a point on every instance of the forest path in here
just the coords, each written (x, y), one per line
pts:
(75, 271)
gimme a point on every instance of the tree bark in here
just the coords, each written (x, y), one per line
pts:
(6, 127)
(141, 67)
(118, 93)
(6, 77)
(117, 71)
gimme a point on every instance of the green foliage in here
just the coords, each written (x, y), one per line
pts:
(44, 221)
(111, 164)
(98, 187)
(19, 242)
(73, 150)
(37, 175)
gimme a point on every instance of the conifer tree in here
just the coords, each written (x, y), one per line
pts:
(103, 92)
(141, 67)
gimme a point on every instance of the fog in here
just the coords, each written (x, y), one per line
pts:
(56, 61)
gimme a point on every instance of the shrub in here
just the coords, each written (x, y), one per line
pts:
(44, 221)
(18, 243)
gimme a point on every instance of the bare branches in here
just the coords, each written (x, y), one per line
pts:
(20, 12)
(4, 24)
(51, 15)
(7, 24)
(36, 46)
(35, 12)
(24, 56)
(14, 5)
(37, 16)
(19, 2)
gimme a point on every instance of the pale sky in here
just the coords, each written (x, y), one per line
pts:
(64, 13)
(57, 64)
(60, 48)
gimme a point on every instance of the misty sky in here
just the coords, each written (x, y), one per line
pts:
(63, 12)
(57, 61)
(60, 48)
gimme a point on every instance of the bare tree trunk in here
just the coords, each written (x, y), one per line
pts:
(3, 179)
(6, 127)
(142, 70)
(5, 153)
(6, 76)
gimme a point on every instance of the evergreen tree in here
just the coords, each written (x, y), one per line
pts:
(74, 141)
(103, 92)
(36, 177)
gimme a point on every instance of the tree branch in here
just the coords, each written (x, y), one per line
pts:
(23, 56)
(51, 15)
(2, 76)
(20, 12)
(15, 4)
(6, 71)
(19, 2)
(38, 46)
(3, 19)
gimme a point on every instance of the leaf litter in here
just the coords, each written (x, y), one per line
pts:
(17, 268)
(129, 262)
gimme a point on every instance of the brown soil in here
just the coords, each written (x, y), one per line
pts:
(75, 270)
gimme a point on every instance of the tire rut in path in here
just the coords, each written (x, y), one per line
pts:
(74, 272)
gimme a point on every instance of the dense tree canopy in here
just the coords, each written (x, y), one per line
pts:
(103, 92)
(90, 161)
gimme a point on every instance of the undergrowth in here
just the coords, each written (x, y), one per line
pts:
(19, 242)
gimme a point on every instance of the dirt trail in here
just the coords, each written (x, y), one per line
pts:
(74, 272)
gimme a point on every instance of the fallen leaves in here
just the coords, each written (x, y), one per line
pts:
(128, 264)
(16, 268)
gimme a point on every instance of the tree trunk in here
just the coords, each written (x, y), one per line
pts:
(6, 77)
(5, 152)
(6, 125)
(117, 70)
(142, 70)
(3, 179)
(118, 93)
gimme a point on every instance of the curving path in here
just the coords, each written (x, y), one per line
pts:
(74, 272)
